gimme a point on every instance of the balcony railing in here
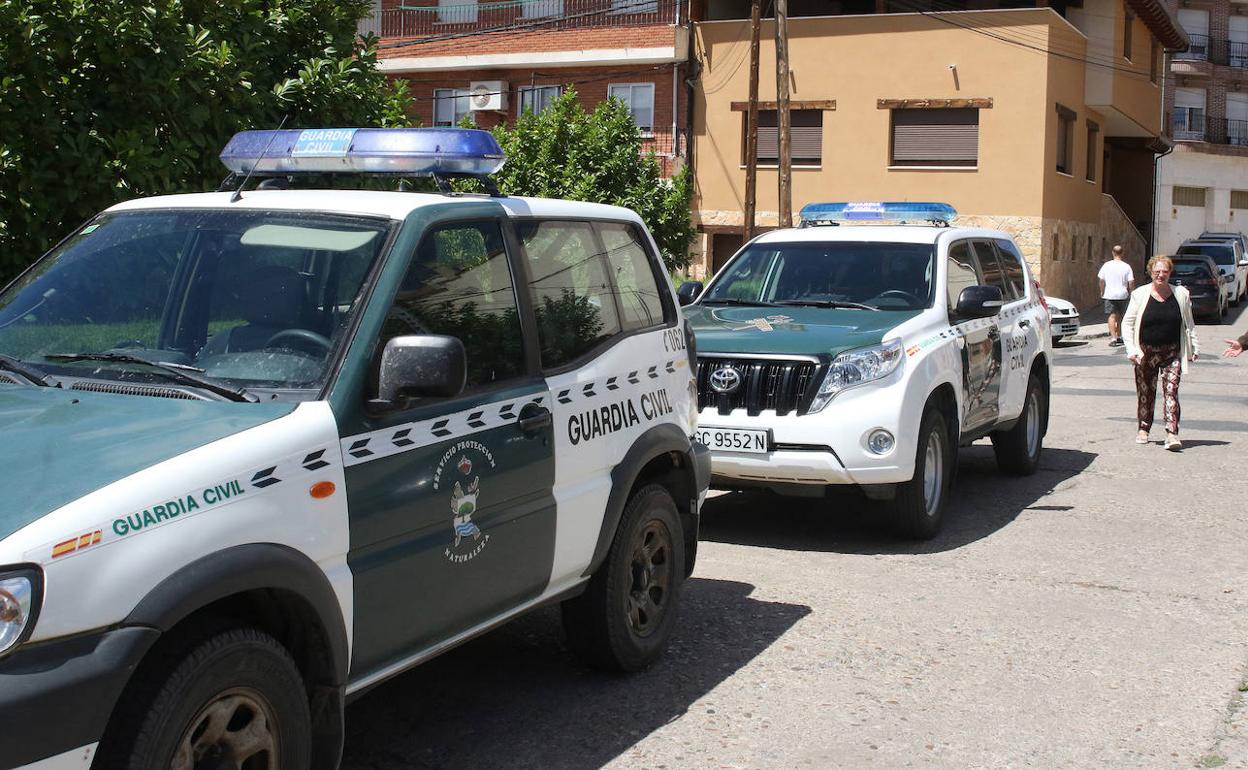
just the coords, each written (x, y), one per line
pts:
(421, 20)
(1188, 125)
(1229, 53)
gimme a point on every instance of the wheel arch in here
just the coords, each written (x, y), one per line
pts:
(1040, 368)
(662, 454)
(275, 589)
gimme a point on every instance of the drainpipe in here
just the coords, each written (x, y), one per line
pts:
(675, 106)
(1152, 243)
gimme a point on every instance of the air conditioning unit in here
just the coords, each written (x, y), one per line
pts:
(488, 96)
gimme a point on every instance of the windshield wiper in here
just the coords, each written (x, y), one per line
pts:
(180, 373)
(736, 301)
(828, 303)
(28, 371)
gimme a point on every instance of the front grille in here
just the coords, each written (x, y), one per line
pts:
(134, 390)
(11, 379)
(783, 385)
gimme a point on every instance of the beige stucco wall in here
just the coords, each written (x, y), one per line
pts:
(1219, 175)
(856, 60)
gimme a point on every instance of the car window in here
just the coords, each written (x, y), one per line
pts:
(573, 297)
(638, 291)
(1190, 270)
(990, 268)
(459, 284)
(962, 271)
(884, 275)
(1222, 254)
(1012, 261)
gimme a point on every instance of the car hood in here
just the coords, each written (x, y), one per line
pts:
(789, 330)
(61, 444)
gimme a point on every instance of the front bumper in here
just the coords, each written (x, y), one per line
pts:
(57, 696)
(1064, 326)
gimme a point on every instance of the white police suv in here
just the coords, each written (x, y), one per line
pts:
(265, 448)
(841, 354)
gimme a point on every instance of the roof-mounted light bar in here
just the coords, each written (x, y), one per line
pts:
(836, 213)
(410, 151)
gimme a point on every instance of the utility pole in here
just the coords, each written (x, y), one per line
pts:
(782, 112)
(751, 122)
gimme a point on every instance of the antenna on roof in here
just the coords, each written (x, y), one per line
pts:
(238, 191)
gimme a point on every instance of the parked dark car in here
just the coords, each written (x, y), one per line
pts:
(1203, 282)
(1231, 261)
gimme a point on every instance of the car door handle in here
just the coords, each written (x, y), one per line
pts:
(534, 419)
(1024, 323)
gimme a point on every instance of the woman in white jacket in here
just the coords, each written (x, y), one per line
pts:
(1160, 336)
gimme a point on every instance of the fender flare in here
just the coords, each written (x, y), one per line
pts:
(240, 569)
(653, 443)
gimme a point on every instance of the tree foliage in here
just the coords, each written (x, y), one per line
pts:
(105, 100)
(565, 152)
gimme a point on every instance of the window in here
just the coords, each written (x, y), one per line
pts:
(1128, 27)
(992, 271)
(1057, 242)
(450, 105)
(459, 283)
(638, 290)
(537, 9)
(537, 98)
(1012, 261)
(573, 296)
(1237, 45)
(1189, 114)
(1154, 62)
(935, 137)
(640, 100)
(1237, 119)
(1188, 196)
(805, 136)
(1089, 251)
(1239, 199)
(1093, 131)
(1065, 139)
(961, 271)
(1196, 24)
(634, 6)
(457, 11)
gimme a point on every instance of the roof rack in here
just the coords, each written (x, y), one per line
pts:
(441, 153)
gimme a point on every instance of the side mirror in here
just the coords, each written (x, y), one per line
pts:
(420, 365)
(688, 292)
(979, 302)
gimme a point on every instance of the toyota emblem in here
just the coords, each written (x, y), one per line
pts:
(725, 380)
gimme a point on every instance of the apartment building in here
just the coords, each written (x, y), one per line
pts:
(489, 60)
(1040, 119)
(1203, 184)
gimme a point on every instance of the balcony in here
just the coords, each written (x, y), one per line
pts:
(1188, 124)
(1228, 53)
(419, 21)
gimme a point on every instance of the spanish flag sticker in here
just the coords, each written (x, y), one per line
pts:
(76, 544)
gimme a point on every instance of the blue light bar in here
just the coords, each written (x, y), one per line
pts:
(415, 151)
(895, 211)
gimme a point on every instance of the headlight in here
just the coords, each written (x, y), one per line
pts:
(19, 603)
(856, 367)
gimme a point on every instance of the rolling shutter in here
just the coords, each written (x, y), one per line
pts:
(935, 137)
(805, 137)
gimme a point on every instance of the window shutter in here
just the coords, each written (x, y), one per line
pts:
(936, 137)
(806, 142)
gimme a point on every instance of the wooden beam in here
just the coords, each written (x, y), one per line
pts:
(932, 104)
(817, 104)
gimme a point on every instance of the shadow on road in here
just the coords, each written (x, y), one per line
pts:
(516, 698)
(983, 502)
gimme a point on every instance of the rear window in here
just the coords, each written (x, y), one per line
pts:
(1222, 254)
(1191, 270)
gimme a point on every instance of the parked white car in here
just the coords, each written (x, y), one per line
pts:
(1064, 319)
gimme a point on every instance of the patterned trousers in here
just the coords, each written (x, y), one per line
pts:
(1163, 360)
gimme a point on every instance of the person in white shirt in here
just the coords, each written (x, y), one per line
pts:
(1117, 280)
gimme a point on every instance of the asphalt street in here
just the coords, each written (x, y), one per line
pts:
(1091, 615)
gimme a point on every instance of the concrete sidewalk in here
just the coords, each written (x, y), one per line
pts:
(1093, 324)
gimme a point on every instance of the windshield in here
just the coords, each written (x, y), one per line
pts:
(253, 299)
(1222, 254)
(884, 276)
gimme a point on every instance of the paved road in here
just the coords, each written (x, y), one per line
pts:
(1092, 615)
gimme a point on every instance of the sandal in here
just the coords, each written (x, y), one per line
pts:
(1172, 442)
(1141, 437)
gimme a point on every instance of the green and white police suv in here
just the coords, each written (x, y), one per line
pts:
(265, 448)
(842, 352)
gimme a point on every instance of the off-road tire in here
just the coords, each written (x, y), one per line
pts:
(919, 505)
(1018, 449)
(240, 675)
(625, 616)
